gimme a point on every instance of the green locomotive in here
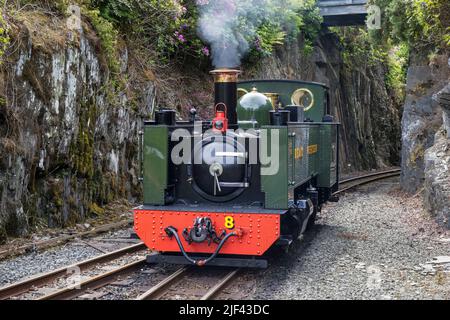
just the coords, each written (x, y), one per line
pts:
(224, 191)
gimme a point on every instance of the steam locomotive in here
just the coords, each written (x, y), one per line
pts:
(223, 192)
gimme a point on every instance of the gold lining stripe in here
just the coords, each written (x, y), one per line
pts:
(299, 153)
(313, 149)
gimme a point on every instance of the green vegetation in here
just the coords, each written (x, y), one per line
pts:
(361, 49)
(419, 23)
(269, 35)
(397, 61)
(422, 26)
(169, 29)
(358, 49)
(4, 38)
(96, 210)
(108, 36)
(284, 22)
(82, 149)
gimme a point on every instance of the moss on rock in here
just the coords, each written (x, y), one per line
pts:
(96, 210)
(82, 149)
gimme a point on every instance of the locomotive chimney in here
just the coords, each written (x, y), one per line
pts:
(226, 92)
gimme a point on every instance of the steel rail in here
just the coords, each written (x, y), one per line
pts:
(214, 291)
(159, 290)
(366, 180)
(26, 285)
(369, 175)
(46, 244)
(162, 287)
(94, 283)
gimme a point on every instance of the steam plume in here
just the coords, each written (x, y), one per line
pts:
(226, 25)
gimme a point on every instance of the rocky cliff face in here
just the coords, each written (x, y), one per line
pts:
(422, 116)
(437, 166)
(370, 132)
(69, 129)
(68, 140)
(425, 134)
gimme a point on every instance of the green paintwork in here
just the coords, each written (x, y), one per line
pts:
(296, 170)
(156, 159)
(253, 110)
(327, 156)
(298, 160)
(322, 163)
(334, 154)
(275, 186)
(286, 88)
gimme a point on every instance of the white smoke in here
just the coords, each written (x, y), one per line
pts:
(229, 25)
(226, 25)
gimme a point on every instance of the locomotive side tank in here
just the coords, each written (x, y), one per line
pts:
(223, 192)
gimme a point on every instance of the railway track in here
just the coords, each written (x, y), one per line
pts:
(47, 244)
(351, 183)
(94, 283)
(42, 280)
(162, 290)
(29, 288)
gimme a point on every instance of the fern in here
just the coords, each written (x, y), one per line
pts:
(117, 11)
(270, 36)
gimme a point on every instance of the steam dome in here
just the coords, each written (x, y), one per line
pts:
(253, 110)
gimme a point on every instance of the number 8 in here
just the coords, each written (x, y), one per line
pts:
(229, 222)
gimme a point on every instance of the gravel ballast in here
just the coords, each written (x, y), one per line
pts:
(28, 265)
(374, 244)
(34, 263)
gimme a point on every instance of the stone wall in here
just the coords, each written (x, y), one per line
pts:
(437, 166)
(425, 133)
(422, 116)
(68, 138)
